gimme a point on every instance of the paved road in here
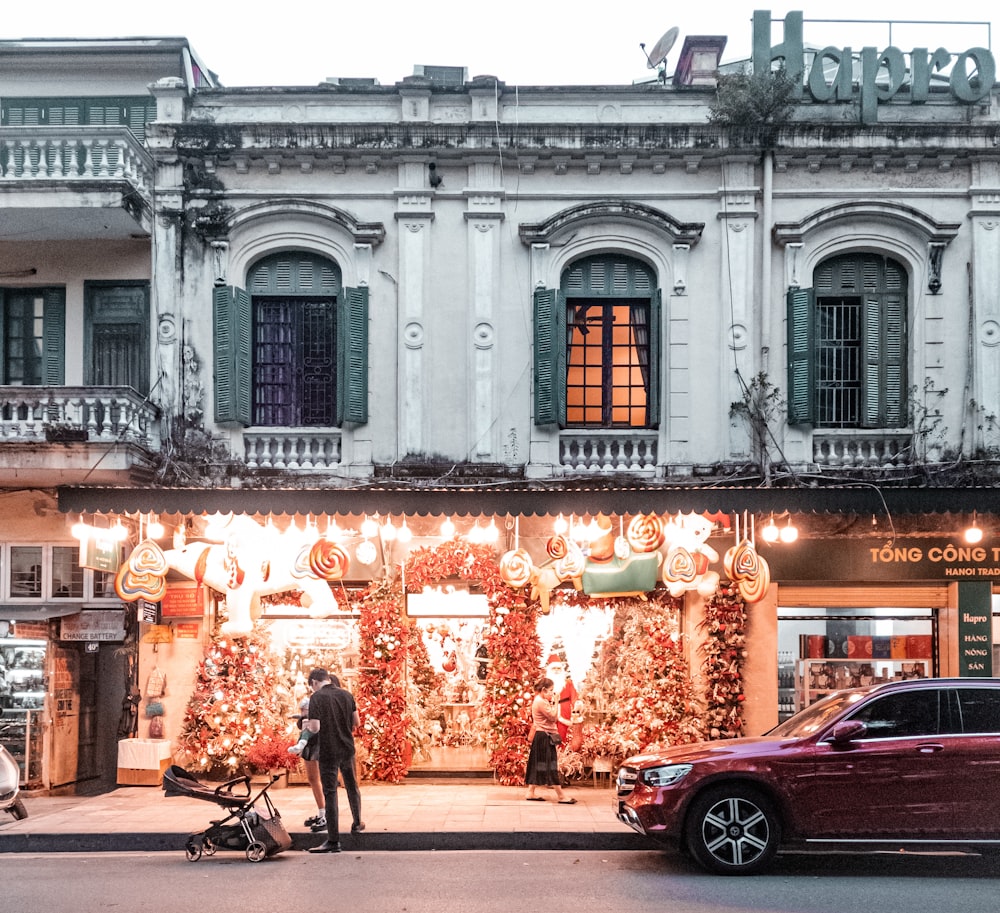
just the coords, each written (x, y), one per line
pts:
(489, 882)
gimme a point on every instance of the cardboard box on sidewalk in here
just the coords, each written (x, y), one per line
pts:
(139, 776)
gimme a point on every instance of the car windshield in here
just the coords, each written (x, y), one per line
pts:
(814, 717)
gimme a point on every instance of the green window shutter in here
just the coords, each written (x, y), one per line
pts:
(653, 403)
(54, 337)
(801, 364)
(231, 315)
(550, 357)
(872, 348)
(352, 358)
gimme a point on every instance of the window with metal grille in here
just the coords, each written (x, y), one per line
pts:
(838, 361)
(607, 357)
(294, 361)
(847, 345)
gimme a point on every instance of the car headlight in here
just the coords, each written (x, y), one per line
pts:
(664, 776)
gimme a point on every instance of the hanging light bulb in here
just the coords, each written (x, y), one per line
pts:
(404, 533)
(388, 531)
(80, 529)
(369, 528)
(560, 525)
(974, 533)
(119, 532)
(770, 532)
(788, 532)
(448, 528)
(154, 528)
(491, 533)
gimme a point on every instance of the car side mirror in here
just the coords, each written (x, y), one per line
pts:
(847, 731)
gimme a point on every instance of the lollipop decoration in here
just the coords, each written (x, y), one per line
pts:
(327, 560)
(515, 568)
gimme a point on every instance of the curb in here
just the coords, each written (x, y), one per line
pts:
(385, 842)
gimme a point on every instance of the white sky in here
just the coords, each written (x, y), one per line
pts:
(522, 42)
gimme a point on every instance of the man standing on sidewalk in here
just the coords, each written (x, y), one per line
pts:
(334, 715)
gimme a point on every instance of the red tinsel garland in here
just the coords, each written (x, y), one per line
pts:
(725, 652)
(381, 693)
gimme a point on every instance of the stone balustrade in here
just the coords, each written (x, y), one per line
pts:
(289, 448)
(78, 415)
(74, 154)
(859, 449)
(605, 451)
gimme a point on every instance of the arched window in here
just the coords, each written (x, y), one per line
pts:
(291, 349)
(847, 345)
(597, 353)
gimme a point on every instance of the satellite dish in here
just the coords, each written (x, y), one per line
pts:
(662, 47)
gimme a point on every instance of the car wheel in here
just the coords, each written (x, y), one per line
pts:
(732, 830)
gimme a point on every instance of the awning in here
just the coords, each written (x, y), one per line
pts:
(532, 500)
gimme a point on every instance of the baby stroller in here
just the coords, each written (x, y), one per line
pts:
(255, 829)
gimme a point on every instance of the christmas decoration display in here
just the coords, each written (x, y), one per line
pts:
(748, 571)
(689, 555)
(255, 560)
(381, 694)
(652, 693)
(143, 575)
(238, 701)
(725, 652)
(511, 643)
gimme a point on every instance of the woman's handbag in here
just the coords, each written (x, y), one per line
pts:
(556, 740)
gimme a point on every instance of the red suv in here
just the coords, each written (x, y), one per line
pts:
(913, 764)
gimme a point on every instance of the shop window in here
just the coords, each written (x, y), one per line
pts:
(820, 651)
(26, 572)
(291, 350)
(116, 342)
(847, 345)
(597, 346)
(33, 351)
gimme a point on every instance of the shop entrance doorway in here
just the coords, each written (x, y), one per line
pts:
(451, 737)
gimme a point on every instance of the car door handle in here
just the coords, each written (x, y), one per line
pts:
(930, 747)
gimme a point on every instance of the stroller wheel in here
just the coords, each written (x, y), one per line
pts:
(192, 850)
(256, 852)
(209, 847)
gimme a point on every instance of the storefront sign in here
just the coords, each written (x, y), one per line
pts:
(100, 554)
(187, 630)
(868, 561)
(148, 612)
(975, 630)
(97, 625)
(181, 601)
(883, 73)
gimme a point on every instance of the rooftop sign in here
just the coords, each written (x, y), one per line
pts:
(882, 74)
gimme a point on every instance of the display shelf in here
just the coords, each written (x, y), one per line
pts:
(820, 676)
(22, 699)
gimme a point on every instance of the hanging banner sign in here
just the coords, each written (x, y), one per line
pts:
(100, 554)
(975, 630)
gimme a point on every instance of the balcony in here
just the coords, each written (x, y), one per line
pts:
(70, 435)
(605, 452)
(74, 182)
(862, 449)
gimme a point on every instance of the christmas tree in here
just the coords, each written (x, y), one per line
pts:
(725, 654)
(653, 695)
(239, 703)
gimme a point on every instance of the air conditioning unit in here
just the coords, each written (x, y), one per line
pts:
(443, 76)
(351, 82)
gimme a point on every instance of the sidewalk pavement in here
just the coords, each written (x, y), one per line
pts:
(413, 815)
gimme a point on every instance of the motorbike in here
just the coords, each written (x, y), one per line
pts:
(10, 778)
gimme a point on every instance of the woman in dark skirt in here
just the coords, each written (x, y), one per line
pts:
(543, 763)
